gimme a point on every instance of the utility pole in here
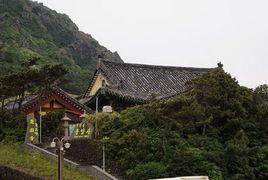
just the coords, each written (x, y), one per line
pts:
(96, 112)
(103, 157)
(105, 109)
(40, 125)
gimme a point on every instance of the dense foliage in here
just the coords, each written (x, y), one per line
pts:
(84, 151)
(29, 79)
(217, 129)
(29, 29)
(12, 127)
(51, 125)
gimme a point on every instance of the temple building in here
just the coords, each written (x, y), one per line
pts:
(122, 85)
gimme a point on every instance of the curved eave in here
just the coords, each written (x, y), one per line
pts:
(104, 91)
(67, 99)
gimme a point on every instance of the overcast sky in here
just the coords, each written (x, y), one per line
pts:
(196, 33)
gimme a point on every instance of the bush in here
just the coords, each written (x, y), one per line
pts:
(12, 126)
(84, 151)
(51, 125)
(147, 171)
(107, 122)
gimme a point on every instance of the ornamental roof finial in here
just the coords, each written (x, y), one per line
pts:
(100, 57)
(220, 65)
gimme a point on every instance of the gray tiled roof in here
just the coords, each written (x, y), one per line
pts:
(27, 99)
(145, 82)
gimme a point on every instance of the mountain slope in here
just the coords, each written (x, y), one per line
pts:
(18, 162)
(30, 29)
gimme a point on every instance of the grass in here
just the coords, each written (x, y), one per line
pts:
(14, 156)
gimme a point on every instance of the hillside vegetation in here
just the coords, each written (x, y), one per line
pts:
(29, 29)
(34, 164)
(218, 129)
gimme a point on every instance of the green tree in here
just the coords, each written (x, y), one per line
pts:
(30, 79)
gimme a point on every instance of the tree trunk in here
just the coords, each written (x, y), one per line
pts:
(21, 99)
(2, 104)
(204, 130)
(15, 102)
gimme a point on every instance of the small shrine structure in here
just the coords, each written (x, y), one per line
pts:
(35, 106)
(52, 100)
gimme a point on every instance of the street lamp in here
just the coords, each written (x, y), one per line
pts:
(106, 109)
(61, 143)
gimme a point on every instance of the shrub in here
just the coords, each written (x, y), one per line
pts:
(147, 171)
(84, 151)
(12, 126)
(106, 122)
(51, 125)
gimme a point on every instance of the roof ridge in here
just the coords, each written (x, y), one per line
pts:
(154, 66)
